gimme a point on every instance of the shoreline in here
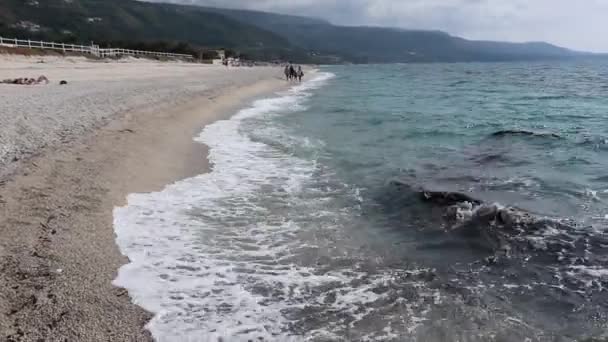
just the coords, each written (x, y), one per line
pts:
(58, 243)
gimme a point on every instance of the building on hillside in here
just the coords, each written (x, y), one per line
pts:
(221, 57)
(221, 54)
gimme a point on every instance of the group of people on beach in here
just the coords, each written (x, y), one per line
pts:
(26, 80)
(293, 74)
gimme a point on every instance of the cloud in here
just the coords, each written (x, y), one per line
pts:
(574, 24)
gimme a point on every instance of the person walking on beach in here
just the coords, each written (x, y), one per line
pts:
(300, 73)
(292, 72)
(287, 75)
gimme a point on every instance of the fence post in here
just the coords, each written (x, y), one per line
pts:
(1, 42)
(16, 45)
(63, 47)
(29, 43)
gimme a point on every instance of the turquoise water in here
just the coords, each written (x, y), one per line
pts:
(443, 202)
(436, 120)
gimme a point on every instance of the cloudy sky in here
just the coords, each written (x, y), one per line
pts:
(577, 24)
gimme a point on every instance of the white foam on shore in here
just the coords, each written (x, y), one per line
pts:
(227, 254)
(194, 289)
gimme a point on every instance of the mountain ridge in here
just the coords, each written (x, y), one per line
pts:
(258, 35)
(396, 44)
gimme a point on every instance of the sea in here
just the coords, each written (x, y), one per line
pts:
(414, 202)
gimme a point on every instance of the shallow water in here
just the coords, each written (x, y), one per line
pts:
(445, 202)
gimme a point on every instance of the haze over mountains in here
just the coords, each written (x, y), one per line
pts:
(258, 35)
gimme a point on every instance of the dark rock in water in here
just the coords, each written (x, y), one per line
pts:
(464, 211)
(63, 82)
(447, 198)
(505, 133)
(443, 198)
(505, 233)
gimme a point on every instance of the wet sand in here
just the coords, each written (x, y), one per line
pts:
(70, 157)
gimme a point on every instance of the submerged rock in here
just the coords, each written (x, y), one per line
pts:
(447, 198)
(509, 132)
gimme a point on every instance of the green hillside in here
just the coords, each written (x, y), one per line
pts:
(258, 35)
(123, 21)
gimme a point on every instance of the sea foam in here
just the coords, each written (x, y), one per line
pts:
(204, 255)
(249, 250)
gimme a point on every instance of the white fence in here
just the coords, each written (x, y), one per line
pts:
(92, 49)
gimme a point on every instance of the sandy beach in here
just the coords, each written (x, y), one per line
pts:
(69, 154)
